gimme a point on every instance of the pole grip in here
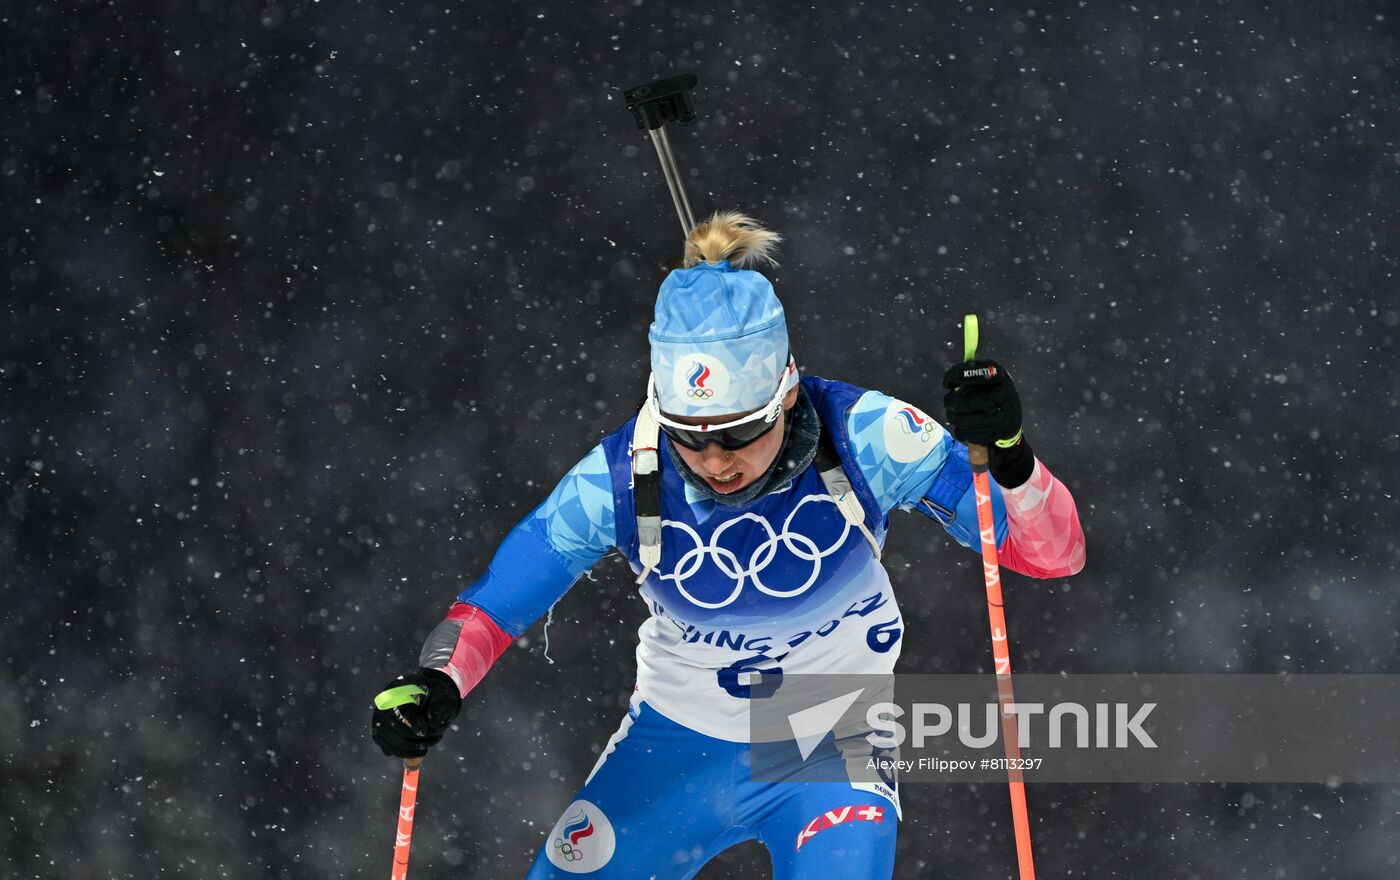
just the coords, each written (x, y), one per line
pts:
(653, 104)
(977, 457)
(976, 452)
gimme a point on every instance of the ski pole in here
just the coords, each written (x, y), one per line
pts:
(408, 796)
(1001, 647)
(652, 105)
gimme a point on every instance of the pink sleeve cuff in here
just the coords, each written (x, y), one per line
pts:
(464, 646)
(1044, 537)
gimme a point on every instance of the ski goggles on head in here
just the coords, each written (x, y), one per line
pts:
(733, 434)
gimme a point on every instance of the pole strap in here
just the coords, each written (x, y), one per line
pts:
(398, 696)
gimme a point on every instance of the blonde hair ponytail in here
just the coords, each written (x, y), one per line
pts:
(732, 236)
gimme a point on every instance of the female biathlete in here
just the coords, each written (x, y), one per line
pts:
(753, 505)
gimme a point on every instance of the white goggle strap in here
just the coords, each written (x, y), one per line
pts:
(646, 490)
(792, 377)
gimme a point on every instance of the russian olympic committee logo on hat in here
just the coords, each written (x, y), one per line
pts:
(582, 841)
(700, 379)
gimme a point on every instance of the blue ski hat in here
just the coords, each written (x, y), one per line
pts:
(719, 343)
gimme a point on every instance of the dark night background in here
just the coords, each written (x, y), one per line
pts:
(307, 302)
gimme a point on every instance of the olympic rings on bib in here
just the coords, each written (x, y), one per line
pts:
(796, 543)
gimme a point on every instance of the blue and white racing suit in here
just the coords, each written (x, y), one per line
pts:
(784, 584)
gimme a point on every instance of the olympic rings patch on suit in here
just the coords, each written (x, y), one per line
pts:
(796, 543)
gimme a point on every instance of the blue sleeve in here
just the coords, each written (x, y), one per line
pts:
(911, 463)
(546, 552)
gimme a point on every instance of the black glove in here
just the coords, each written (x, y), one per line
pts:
(982, 407)
(408, 731)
